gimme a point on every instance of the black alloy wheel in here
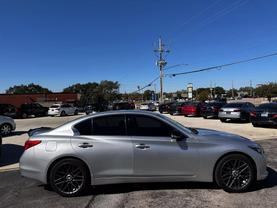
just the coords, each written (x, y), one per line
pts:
(235, 173)
(69, 177)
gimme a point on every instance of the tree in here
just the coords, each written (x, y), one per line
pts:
(102, 93)
(219, 91)
(267, 90)
(203, 96)
(148, 94)
(27, 89)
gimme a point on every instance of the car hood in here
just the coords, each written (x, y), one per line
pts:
(221, 136)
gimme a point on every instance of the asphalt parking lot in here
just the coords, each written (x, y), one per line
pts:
(16, 191)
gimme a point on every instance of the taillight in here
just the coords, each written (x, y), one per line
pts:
(274, 116)
(31, 143)
(253, 114)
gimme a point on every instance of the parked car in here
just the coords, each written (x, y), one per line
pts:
(265, 114)
(164, 107)
(211, 109)
(7, 125)
(139, 146)
(8, 110)
(34, 109)
(147, 106)
(192, 109)
(62, 110)
(176, 108)
(236, 111)
(123, 106)
(93, 108)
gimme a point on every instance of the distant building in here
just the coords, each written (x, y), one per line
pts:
(45, 99)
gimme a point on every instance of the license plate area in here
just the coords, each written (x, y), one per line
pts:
(264, 114)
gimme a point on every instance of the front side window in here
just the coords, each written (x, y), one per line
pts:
(139, 125)
(109, 125)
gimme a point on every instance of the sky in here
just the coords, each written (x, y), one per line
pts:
(57, 43)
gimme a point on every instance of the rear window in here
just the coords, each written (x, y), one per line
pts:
(233, 105)
(270, 106)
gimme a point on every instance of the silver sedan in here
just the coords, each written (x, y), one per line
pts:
(138, 146)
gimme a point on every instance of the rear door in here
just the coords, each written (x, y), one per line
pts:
(156, 154)
(103, 142)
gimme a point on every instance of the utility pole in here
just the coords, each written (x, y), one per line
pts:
(233, 89)
(251, 89)
(161, 63)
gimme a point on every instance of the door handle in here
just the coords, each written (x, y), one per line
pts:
(142, 146)
(85, 145)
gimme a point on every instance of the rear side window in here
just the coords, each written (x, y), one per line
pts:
(84, 127)
(109, 125)
(139, 125)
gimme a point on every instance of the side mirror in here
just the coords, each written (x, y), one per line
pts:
(177, 136)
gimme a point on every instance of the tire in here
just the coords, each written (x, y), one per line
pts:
(223, 120)
(24, 115)
(69, 177)
(5, 129)
(235, 173)
(63, 113)
(205, 117)
(76, 112)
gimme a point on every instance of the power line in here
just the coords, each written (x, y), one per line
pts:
(223, 65)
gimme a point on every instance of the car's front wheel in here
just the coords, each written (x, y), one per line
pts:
(235, 173)
(69, 177)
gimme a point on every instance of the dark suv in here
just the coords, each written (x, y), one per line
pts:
(35, 109)
(8, 110)
(265, 114)
(211, 109)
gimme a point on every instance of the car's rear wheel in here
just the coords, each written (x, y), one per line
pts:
(63, 113)
(69, 177)
(76, 112)
(235, 173)
(5, 129)
(223, 120)
(205, 117)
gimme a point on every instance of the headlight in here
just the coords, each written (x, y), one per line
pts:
(258, 149)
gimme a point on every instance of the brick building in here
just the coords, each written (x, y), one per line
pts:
(46, 99)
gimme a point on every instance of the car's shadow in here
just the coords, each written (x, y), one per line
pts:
(270, 182)
(11, 154)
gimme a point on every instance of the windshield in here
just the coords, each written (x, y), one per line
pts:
(233, 105)
(268, 106)
(188, 129)
(55, 106)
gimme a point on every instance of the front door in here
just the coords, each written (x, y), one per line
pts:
(156, 154)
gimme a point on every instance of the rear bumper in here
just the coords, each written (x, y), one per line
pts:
(264, 121)
(33, 169)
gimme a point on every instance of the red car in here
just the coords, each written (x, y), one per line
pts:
(192, 109)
